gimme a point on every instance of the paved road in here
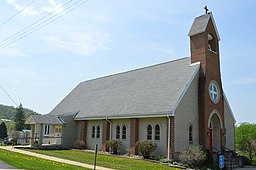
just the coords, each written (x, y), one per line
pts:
(5, 166)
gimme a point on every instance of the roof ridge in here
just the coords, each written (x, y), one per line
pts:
(136, 69)
(208, 14)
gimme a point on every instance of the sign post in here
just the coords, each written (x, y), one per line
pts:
(221, 162)
(95, 156)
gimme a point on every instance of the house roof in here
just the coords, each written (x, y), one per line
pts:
(200, 24)
(44, 119)
(149, 91)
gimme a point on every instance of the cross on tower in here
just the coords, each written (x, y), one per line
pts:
(206, 9)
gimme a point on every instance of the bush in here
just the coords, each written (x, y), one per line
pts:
(146, 148)
(114, 145)
(79, 144)
(164, 160)
(193, 155)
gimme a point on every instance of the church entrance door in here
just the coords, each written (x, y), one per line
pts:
(214, 126)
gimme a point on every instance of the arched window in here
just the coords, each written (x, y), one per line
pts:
(157, 132)
(124, 132)
(118, 132)
(149, 132)
(98, 132)
(93, 132)
(190, 134)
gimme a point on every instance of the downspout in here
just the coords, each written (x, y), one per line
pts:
(110, 128)
(169, 136)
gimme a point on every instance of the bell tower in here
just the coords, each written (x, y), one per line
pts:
(204, 47)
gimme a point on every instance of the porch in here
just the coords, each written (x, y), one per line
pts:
(46, 131)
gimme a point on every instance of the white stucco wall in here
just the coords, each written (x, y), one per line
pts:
(125, 146)
(186, 114)
(53, 137)
(162, 143)
(229, 126)
(91, 142)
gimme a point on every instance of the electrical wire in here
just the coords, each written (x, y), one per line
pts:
(37, 25)
(31, 25)
(8, 95)
(9, 19)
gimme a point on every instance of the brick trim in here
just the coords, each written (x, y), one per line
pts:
(105, 135)
(134, 136)
(83, 133)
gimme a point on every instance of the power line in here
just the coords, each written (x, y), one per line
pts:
(44, 22)
(19, 33)
(6, 21)
(8, 95)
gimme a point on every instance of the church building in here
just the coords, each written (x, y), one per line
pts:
(175, 104)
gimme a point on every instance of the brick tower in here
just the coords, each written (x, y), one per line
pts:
(204, 46)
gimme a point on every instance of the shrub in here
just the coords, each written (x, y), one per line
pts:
(193, 155)
(114, 145)
(164, 160)
(146, 148)
(79, 144)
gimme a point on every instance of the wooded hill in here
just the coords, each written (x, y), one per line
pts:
(8, 112)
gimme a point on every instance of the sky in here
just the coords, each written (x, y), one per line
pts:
(42, 60)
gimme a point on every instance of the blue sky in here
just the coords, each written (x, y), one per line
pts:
(109, 36)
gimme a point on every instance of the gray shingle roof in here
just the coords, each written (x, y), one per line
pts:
(200, 23)
(146, 91)
(44, 119)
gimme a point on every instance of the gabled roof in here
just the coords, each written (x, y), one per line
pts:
(229, 107)
(149, 91)
(44, 119)
(200, 24)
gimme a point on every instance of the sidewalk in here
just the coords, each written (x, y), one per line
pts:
(10, 148)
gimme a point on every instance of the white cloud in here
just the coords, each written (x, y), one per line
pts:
(162, 48)
(156, 48)
(19, 5)
(53, 6)
(12, 52)
(84, 43)
(18, 75)
(36, 7)
(247, 81)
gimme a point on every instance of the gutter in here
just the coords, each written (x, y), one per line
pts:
(169, 136)
(126, 116)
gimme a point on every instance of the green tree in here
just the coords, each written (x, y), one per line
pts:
(3, 130)
(246, 138)
(19, 118)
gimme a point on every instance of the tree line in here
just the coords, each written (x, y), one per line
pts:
(246, 138)
(19, 121)
(9, 112)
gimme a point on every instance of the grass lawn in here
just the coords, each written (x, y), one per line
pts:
(30, 162)
(104, 160)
